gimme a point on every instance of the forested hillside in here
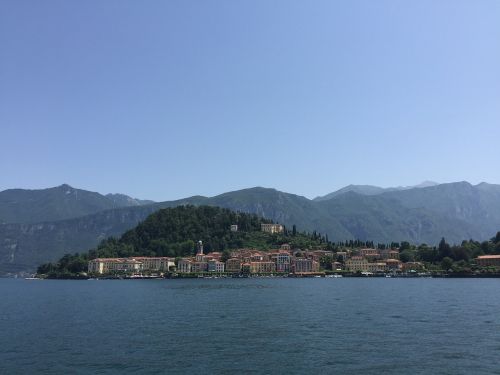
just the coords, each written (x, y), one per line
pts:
(173, 232)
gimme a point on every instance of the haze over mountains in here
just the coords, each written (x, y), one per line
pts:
(372, 190)
(41, 225)
(58, 203)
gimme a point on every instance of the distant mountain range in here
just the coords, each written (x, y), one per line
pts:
(41, 225)
(58, 203)
(372, 190)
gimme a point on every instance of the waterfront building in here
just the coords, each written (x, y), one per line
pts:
(488, 260)
(377, 267)
(215, 266)
(303, 265)
(156, 263)
(393, 264)
(356, 263)
(271, 228)
(283, 261)
(233, 265)
(131, 264)
(199, 267)
(262, 267)
(185, 266)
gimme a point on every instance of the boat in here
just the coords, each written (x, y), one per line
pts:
(32, 278)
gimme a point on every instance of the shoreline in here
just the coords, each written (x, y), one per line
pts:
(270, 276)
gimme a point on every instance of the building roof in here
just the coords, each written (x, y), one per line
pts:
(488, 257)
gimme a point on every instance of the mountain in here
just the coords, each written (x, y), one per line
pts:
(360, 189)
(122, 200)
(478, 206)
(371, 190)
(456, 211)
(58, 203)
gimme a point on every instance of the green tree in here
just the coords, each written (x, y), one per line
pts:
(326, 262)
(405, 246)
(406, 256)
(496, 239)
(444, 249)
(446, 263)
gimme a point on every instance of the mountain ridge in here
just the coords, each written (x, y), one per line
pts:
(57, 203)
(421, 215)
(372, 189)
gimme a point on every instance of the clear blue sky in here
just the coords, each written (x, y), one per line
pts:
(166, 99)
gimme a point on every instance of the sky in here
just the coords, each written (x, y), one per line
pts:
(167, 99)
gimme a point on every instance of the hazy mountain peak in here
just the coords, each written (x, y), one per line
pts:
(122, 200)
(373, 190)
(425, 184)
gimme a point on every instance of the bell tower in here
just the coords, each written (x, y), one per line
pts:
(199, 253)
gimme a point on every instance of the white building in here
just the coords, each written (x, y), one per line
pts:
(132, 264)
(271, 228)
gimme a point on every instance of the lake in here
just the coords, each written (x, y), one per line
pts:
(228, 326)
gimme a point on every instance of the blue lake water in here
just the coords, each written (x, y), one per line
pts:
(227, 326)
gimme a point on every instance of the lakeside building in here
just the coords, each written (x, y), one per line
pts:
(377, 267)
(215, 266)
(262, 267)
(356, 263)
(199, 267)
(488, 260)
(283, 261)
(132, 264)
(185, 266)
(233, 265)
(361, 264)
(393, 264)
(305, 265)
(271, 228)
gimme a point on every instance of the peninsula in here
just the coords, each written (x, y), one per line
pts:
(189, 241)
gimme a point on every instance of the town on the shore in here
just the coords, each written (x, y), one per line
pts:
(284, 261)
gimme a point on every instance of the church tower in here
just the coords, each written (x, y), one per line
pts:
(199, 253)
